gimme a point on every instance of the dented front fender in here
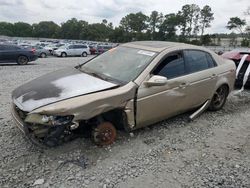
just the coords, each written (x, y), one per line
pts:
(88, 106)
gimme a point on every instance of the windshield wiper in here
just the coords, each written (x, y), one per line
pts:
(79, 65)
(101, 76)
(91, 73)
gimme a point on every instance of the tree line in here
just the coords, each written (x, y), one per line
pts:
(240, 26)
(187, 25)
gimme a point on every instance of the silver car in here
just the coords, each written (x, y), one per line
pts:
(73, 50)
(41, 52)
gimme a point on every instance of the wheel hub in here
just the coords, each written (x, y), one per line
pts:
(104, 134)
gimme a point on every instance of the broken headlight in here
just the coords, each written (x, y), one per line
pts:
(48, 119)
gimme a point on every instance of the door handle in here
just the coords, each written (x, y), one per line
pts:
(213, 76)
(183, 85)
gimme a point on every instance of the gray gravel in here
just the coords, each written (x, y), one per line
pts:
(211, 151)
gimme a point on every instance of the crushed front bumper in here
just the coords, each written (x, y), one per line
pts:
(18, 120)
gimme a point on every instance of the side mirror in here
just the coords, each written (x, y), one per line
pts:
(156, 81)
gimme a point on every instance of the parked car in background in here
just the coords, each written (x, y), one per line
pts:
(20, 55)
(135, 85)
(102, 48)
(53, 47)
(237, 55)
(41, 52)
(73, 50)
(92, 50)
(25, 45)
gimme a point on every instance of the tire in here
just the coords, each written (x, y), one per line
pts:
(22, 60)
(84, 54)
(43, 55)
(219, 98)
(63, 54)
(104, 134)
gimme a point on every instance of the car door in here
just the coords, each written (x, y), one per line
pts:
(77, 50)
(71, 50)
(80, 49)
(2, 54)
(156, 103)
(85, 48)
(9, 53)
(201, 76)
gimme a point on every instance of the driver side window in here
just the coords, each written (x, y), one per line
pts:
(172, 66)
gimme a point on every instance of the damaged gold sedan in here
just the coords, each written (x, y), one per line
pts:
(128, 87)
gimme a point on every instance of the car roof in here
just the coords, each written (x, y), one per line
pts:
(157, 46)
(236, 55)
(10, 45)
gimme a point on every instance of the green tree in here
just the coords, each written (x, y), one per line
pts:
(206, 17)
(98, 31)
(167, 30)
(83, 29)
(22, 29)
(183, 23)
(155, 20)
(73, 29)
(104, 21)
(134, 23)
(45, 29)
(235, 23)
(6, 29)
(189, 19)
(120, 35)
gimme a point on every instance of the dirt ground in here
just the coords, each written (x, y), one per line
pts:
(211, 151)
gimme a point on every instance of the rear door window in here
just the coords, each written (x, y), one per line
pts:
(15, 48)
(197, 60)
(210, 60)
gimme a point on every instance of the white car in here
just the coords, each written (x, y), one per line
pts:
(73, 50)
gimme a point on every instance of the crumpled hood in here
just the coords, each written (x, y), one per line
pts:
(57, 86)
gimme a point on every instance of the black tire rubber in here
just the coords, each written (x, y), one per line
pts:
(219, 99)
(84, 54)
(22, 60)
(63, 54)
(104, 134)
(43, 55)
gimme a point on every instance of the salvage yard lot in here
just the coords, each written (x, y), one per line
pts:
(211, 151)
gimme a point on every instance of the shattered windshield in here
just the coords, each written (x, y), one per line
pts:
(121, 63)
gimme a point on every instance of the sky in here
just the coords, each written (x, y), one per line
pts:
(93, 11)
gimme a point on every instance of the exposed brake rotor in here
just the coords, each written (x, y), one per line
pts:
(104, 134)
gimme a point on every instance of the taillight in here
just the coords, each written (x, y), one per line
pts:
(33, 50)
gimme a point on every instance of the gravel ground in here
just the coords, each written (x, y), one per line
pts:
(211, 151)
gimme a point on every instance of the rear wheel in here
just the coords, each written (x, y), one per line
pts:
(84, 54)
(104, 134)
(63, 54)
(22, 60)
(219, 98)
(43, 55)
